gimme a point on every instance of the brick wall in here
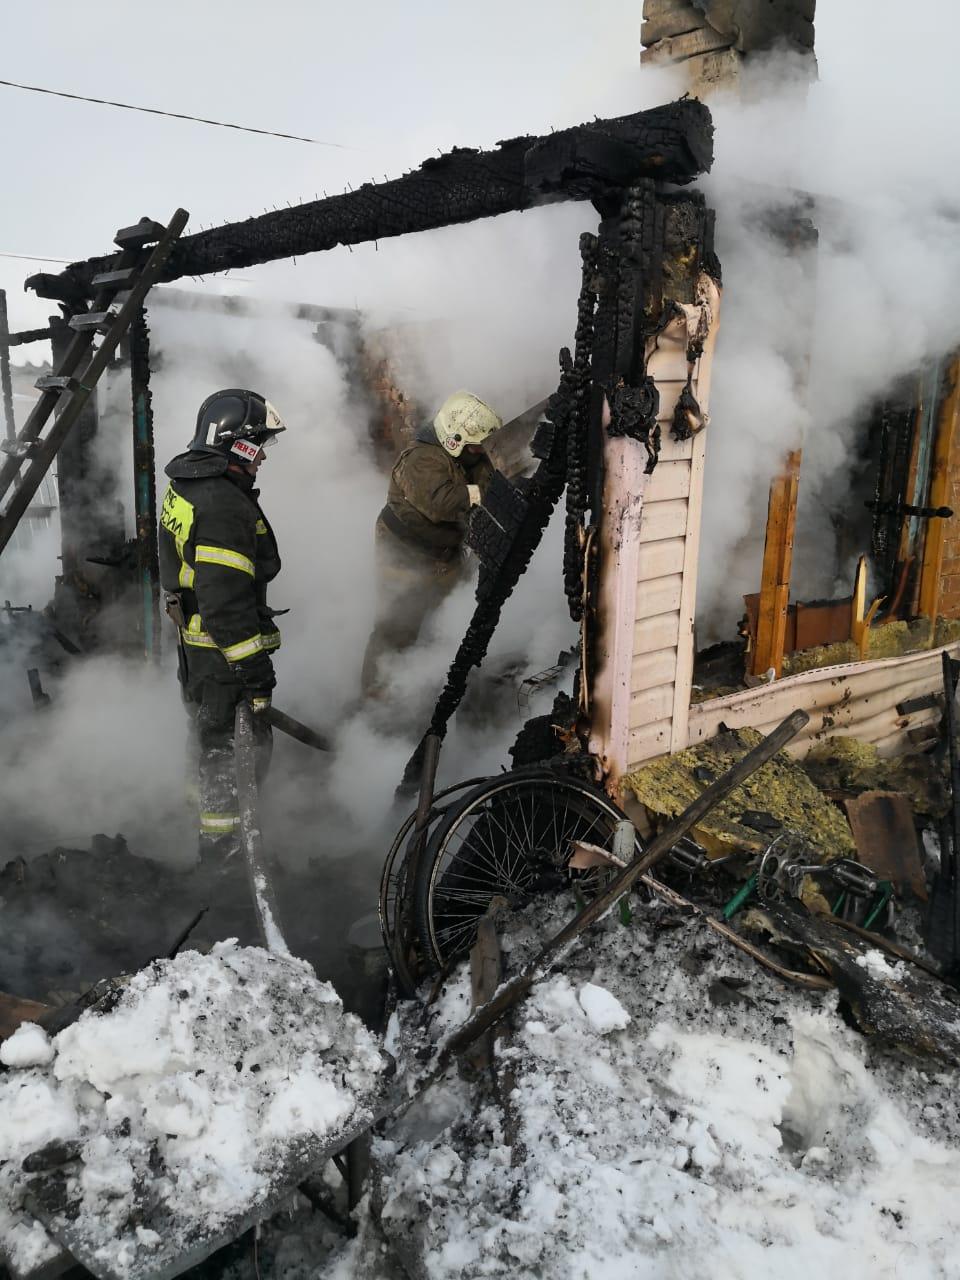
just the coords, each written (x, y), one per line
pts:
(714, 39)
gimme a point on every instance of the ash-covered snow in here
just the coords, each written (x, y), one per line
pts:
(182, 1097)
(736, 1126)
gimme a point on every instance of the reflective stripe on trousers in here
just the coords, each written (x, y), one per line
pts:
(218, 824)
(194, 634)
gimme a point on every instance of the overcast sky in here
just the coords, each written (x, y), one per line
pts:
(391, 83)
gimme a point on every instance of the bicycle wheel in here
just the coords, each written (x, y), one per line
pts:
(393, 878)
(512, 836)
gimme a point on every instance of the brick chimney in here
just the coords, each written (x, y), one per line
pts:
(713, 40)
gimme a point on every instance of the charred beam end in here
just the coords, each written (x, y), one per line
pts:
(672, 143)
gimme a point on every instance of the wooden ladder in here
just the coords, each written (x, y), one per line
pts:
(117, 301)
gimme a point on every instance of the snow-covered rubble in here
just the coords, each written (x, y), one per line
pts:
(667, 1108)
(174, 1111)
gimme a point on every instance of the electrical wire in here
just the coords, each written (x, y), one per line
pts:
(173, 115)
(35, 257)
(42, 257)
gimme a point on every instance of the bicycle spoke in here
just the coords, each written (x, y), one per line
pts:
(498, 844)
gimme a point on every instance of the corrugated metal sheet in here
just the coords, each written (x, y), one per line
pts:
(857, 700)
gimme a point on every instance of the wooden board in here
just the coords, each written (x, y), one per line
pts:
(886, 838)
(777, 565)
(13, 1011)
(936, 531)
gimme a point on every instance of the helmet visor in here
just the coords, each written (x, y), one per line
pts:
(274, 422)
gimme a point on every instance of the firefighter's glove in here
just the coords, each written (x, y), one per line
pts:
(259, 700)
(255, 674)
(475, 496)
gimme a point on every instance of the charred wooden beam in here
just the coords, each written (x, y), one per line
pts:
(672, 143)
(26, 336)
(145, 486)
(6, 384)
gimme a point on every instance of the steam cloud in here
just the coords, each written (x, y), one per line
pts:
(487, 306)
(871, 142)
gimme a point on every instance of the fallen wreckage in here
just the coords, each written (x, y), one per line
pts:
(611, 783)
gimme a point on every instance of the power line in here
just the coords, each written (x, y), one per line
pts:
(42, 257)
(35, 257)
(173, 115)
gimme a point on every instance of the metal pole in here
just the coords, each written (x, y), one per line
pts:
(513, 991)
(404, 957)
(264, 898)
(144, 485)
(6, 385)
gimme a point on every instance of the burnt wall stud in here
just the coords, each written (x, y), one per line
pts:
(145, 489)
(6, 383)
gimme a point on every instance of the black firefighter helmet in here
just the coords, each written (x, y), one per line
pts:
(236, 423)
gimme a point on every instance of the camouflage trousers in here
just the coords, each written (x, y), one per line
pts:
(410, 588)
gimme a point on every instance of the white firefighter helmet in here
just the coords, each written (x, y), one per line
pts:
(464, 419)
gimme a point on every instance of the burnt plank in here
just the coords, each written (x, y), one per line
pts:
(886, 838)
(13, 1011)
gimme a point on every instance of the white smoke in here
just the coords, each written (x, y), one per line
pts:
(322, 492)
(871, 142)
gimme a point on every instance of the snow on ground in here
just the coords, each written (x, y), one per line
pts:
(674, 1110)
(179, 1098)
(664, 1108)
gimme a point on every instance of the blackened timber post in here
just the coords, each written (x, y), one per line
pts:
(6, 384)
(144, 482)
(72, 463)
(92, 536)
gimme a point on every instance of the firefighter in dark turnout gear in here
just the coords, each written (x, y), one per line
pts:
(217, 555)
(420, 531)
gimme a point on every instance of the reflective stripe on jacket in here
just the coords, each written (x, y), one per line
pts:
(218, 551)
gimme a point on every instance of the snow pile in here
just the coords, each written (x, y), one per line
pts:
(29, 1046)
(667, 1108)
(176, 1108)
